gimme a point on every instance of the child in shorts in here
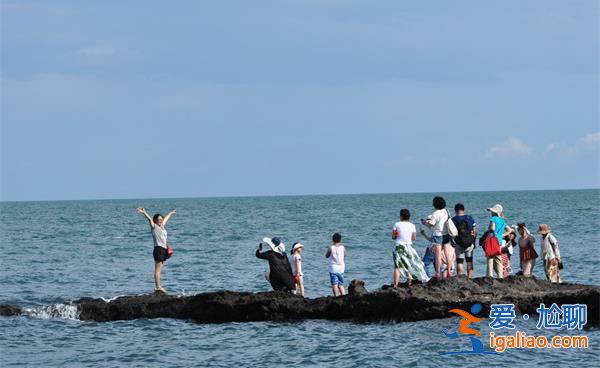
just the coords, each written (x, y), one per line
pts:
(336, 254)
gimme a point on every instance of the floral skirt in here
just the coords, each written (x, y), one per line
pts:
(409, 263)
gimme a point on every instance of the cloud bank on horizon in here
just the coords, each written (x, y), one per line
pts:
(143, 99)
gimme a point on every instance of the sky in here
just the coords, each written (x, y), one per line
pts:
(149, 99)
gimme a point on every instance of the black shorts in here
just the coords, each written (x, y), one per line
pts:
(160, 254)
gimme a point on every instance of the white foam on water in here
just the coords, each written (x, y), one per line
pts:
(108, 300)
(66, 311)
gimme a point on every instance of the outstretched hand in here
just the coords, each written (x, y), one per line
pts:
(141, 210)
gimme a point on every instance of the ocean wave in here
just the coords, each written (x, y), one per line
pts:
(66, 311)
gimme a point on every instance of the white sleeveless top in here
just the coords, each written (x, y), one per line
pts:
(336, 259)
(159, 235)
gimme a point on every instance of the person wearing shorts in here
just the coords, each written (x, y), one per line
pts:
(441, 240)
(336, 253)
(464, 243)
(159, 236)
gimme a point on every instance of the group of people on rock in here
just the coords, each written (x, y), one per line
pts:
(452, 240)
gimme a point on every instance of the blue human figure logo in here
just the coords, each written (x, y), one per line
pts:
(464, 329)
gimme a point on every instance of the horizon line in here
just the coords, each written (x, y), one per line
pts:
(293, 195)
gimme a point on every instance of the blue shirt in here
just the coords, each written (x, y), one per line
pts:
(499, 225)
(470, 220)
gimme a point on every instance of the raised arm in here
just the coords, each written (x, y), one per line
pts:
(168, 216)
(260, 254)
(142, 210)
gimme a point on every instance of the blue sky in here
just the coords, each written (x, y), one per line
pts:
(142, 99)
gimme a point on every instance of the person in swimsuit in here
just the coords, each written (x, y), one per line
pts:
(159, 235)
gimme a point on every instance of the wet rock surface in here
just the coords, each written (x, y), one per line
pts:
(419, 302)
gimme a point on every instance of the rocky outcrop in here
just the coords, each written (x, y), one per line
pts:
(420, 302)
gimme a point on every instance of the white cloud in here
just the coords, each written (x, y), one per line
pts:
(512, 147)
(589, 142)
(96, 51)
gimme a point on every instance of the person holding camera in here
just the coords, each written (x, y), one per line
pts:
(280, 271)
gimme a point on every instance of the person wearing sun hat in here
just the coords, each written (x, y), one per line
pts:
(550, 254)
(280, 271)
(499, 229)
(296, 263)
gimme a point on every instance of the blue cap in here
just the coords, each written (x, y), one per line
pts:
(276, 241)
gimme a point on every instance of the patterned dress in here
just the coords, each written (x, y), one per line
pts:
(410, 264)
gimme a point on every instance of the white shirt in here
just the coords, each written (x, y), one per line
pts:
(295, 271)
(548, 251)
(405, 230)
(438, 220)
(159, 234)
(336, 259)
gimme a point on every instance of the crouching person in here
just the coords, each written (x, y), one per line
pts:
(280, 270)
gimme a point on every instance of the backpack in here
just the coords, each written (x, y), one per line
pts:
(491, 247)
(464, 237)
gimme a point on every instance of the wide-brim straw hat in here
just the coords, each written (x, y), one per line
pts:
(497, 209)
(543, 229)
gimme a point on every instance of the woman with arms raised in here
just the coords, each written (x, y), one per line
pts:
(159, 235)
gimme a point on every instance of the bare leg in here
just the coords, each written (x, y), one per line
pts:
(459, 267)
(334, 288)
(470, 270)
(302, 288)
(449, 252)
(342, 291)
(396, 277)
(437, 251)
(157, 270)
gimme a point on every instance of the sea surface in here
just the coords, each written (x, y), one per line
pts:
(54, 252)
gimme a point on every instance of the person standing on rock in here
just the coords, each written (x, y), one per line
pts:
(550, 254)
(406, 259)
(499, 229)
(280, 270)
(159, 236)
(441, 239)
(465, 241)
(336, 253)
(296, 264)
(527, 253)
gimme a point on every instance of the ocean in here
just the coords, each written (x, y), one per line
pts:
(54, 252)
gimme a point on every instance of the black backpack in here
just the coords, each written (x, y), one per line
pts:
(464, 237)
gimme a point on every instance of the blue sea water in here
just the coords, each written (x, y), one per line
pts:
(59, 251)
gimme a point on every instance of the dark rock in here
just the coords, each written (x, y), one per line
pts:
(357, 287)
(10, 310)
(419, 302)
